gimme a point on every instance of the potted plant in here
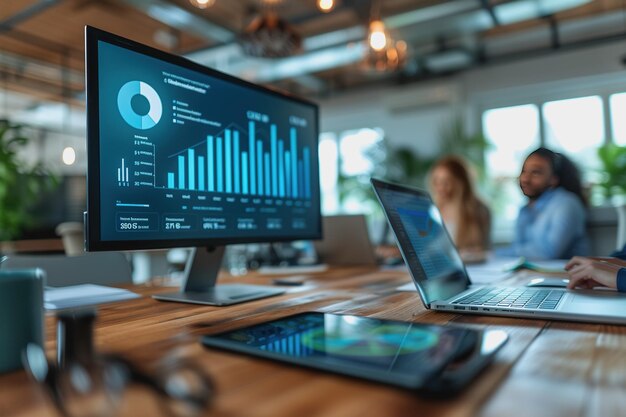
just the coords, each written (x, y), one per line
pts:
(613, 171)
(21, 185)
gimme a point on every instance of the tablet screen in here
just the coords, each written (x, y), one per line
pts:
(400, 353)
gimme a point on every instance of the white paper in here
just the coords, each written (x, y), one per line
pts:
(296, 269)
(83, 295)
(557, 265)
(409, 287)
(490, 272)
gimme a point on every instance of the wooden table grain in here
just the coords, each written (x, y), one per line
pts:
(547, 368)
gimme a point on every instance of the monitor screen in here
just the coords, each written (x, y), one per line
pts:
(182, 155)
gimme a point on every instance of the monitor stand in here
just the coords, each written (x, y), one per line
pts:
(200, 286)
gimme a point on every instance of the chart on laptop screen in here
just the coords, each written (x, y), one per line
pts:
(425, 231)
(422, 225)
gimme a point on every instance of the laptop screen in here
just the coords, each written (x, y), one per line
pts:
(432, 258)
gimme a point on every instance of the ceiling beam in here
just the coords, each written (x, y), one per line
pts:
(37, 88)
(554, 31)
(44, 43)
(300, 65)
(26, 14)
(329, 50)
(311, 82)
(40, 69)
(489, 9)
(179, 18)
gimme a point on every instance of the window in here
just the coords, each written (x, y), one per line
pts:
(356, 147)
(576, 128)
(329, 162)
(353, 155)
(618, 118)
(511, 132)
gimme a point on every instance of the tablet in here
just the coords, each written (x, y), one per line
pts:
(409, 355)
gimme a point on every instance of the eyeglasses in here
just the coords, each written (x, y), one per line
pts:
(97, 388)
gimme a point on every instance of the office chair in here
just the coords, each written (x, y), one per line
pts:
(104, 268)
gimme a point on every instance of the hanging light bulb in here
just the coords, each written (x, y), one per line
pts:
(377, 37)
(326, 5)
(202, 4)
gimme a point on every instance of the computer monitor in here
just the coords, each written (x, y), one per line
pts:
(180, 155)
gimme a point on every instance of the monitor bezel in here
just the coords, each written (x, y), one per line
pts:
(93, 241)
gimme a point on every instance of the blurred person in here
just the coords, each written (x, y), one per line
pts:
(552, 224)
(465, 216)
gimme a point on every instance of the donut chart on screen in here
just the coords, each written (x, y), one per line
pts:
(124, 104)
(382, 341)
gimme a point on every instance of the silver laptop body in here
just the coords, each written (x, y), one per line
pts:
(346, 241)
(442, 281)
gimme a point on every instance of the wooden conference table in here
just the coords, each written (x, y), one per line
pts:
(547, 368)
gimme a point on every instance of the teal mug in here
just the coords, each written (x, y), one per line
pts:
(21, 314)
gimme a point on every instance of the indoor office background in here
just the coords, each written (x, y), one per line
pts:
(490, 80)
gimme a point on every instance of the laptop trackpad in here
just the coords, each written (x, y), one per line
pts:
(596, 302)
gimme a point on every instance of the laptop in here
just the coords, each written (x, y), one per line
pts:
(442, 281)
(346, 241)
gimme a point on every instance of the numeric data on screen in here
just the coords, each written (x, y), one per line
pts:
(187, 155)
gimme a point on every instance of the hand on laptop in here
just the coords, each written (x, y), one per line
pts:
(592, 272)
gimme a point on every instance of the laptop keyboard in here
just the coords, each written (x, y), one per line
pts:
(513, 297)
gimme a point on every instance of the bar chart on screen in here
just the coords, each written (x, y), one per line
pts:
(244, 162)
(235, 161)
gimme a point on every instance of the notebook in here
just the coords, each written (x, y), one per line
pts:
(83, 295)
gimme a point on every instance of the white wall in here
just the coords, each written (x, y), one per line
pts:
(413, 114)
(410, 115)
(560, 74)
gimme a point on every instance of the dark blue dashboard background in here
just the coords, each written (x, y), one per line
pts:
(225, 102)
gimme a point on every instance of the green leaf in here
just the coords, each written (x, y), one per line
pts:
(21, 185)
(613, 170)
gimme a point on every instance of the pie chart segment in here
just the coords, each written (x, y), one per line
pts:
(130, 116)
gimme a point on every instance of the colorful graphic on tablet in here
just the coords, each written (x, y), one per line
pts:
(385, 340)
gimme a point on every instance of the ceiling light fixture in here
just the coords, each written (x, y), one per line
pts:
(391, 58)
(377, 36)
(202, 4)
(384, 53)
(269, 36)
(325, 5)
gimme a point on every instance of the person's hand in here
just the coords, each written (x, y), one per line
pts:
(588, 273)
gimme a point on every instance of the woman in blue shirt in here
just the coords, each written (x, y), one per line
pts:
(593, 272)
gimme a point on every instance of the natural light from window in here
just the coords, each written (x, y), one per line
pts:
(512, 133)
(356, 153)
(618, 118)
(354, 149)
(576, 128)
(329, 164)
